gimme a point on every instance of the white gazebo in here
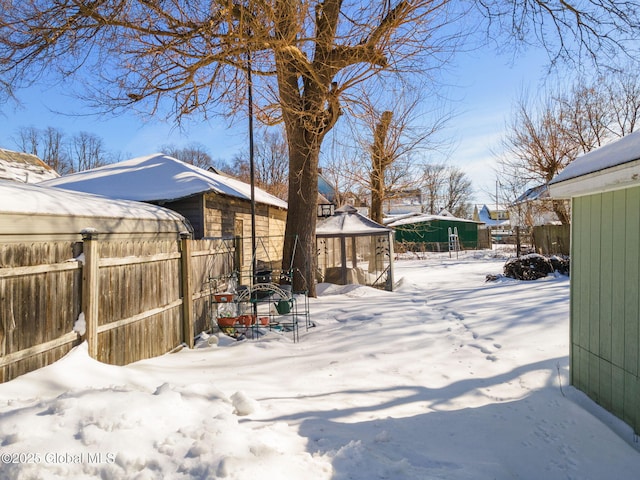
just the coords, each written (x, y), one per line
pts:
(353, 249)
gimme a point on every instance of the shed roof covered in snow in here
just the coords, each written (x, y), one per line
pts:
(24, 167)
(43, 211)
(156, 178)
(421, 218)
(610, 167)
(348, 222)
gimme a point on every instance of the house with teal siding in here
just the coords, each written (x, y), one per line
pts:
(604, 189)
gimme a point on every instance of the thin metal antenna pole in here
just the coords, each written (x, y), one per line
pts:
(251, 171)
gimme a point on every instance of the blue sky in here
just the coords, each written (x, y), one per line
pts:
(486, 85)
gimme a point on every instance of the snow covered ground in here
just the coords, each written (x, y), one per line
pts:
(448, 377)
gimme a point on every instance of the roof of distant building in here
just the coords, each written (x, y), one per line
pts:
(24, 167)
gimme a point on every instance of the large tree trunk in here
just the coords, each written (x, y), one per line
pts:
(300, 234)
(560, 210)
(380, 160)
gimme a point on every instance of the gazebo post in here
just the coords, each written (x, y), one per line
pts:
(343, 260)
(354, 253)
(390, 279)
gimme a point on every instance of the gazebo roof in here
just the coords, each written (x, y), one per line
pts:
(348, 222)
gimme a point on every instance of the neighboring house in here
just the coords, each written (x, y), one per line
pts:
(327, 189)
(215, 205)
(534, 207)
(404, 202)
(496, 220)
(24, 167)
(325, 207)
(492, 216)
(604, 188)
(432, 231)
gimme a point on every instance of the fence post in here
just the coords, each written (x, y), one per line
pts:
(90, 288)
(187, 294)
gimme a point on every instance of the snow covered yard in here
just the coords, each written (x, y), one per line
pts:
(449, 377)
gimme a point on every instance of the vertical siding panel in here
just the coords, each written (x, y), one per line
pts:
(606, 277)
(607, 234)
(631, 281)
(594, 277)
(580, 283)
(617, 389)
(631, 394)
(618, 265)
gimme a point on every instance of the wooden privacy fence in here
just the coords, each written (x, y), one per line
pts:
(552, 239)
(133, 295)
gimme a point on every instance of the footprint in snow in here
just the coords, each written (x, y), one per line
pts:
(484, 350)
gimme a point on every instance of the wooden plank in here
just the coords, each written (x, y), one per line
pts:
(136, 318)
(187, 293)
(134, 260)
(12, 272)
(91, 290)
(37, 349)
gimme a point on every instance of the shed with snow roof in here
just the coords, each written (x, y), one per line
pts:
(431, 232)
(353, 249)
(215, 205)
(604, 188)
(34, 212)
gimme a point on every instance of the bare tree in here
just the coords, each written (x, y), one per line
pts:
(622, 97)
(381, 158)
(538, 146)
(458, 192)
(47, 144)
(306, 57)
(545, 138)
(53, 151)
(432, 183)
(336, 165)
(86, 151)
(194, 154)
(270, 157)
(385, 137)
(29, 140)
(448, 187)
(582, 117)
